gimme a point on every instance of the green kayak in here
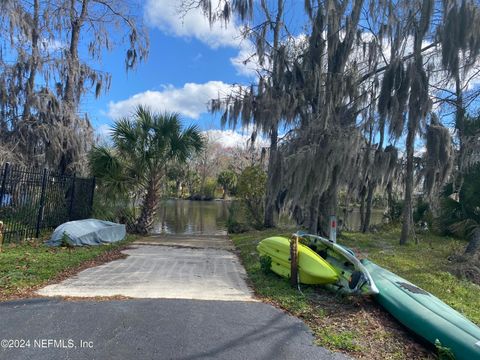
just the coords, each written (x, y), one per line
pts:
(425, 314)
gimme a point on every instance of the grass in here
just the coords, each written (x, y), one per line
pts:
(27, 266)
(355, 325)
(425, 264)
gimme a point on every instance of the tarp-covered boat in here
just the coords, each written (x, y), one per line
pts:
(312, 269)
(425, 314)
(87, 232)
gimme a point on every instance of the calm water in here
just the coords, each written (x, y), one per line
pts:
(209, 217)
(353, 222)
(192, 217)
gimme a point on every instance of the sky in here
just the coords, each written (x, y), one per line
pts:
(189, 63)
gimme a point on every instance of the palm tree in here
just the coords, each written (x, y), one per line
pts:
(143, 148)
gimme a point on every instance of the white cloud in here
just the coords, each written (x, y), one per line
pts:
(246, 62)
(166, 15)
(232, 138)
(103, 130)
(191, 100)
(52, 45)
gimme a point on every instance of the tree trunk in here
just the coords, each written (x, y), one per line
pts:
(149, 207)
(70, 98)
(328, 205)
(408, 202)
(269, 220)
(76, 25)
(33, 63)
(390, 204)
(269, 215)
(460, 127)
(368, 212)
(313, 214)
(363, 193)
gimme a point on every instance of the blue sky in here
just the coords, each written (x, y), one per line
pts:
(188, 64)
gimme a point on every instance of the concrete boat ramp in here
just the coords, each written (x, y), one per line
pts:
(201, 267)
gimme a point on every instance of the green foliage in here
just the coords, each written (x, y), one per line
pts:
(343, 340)
(209, 188)
(266, 264)
(460, 214)
(111, 172)
(443, 353)
(192, 181)
(251, 190)
(422, 212)
(65, 242)
(227, 179)
(236, 218)
(144, 147)
(116, 211)
(207, 192)
(395, 211)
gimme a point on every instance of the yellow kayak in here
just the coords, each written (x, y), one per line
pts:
(312, 268)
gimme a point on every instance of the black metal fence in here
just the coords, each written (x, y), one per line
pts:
(33, 200)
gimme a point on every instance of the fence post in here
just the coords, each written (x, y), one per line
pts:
(72, 198)
(92, 195)
(4, 180)
(42, 204)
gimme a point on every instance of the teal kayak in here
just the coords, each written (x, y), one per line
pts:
(425, 314)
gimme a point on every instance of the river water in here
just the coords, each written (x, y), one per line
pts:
(209, 217)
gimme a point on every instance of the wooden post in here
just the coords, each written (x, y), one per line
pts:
(294, 260)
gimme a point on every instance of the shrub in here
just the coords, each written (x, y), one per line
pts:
(236, 218)
(251, 190)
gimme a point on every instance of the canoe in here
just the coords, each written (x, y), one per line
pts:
(312, 269)
(425, 314)
(353, 276)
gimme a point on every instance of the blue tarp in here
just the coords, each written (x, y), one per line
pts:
(88, 232)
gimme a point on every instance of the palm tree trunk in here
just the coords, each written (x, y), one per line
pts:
(407, 205)
(149, 207)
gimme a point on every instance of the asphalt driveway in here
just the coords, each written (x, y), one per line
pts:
(191, 301)
(153, 329)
